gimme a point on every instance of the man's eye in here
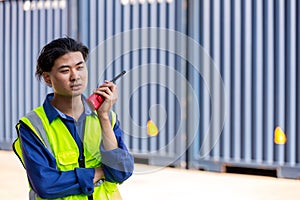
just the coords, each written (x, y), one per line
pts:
(64, 71)
(80, 68)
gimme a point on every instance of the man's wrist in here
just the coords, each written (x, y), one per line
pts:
(103, 116)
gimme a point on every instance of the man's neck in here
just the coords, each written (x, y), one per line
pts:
(71, 106)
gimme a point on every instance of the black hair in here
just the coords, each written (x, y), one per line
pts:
(56, 49)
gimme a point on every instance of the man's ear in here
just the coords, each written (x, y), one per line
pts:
(46, 77)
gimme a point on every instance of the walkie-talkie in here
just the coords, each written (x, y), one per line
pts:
(96, 100)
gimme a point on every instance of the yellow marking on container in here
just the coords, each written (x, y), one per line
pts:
(152, 128)
(279, 136)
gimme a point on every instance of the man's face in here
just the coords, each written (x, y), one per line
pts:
(68, 76)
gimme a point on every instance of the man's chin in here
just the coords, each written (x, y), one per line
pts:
(76, 93)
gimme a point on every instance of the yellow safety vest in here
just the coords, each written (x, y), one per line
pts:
(58, 140)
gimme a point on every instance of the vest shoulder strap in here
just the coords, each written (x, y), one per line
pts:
(34, 122)
(39, 128)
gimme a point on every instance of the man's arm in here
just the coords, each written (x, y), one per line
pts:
(116, 160)
(118, 164)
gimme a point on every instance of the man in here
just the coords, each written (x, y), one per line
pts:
(68, 150)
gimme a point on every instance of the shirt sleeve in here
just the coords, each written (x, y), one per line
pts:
(118, 163)
(43, 176)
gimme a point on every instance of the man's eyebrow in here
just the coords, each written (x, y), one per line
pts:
(80, 62)
(67, 66)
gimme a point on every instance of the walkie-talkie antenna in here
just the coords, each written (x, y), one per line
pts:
(117, 77)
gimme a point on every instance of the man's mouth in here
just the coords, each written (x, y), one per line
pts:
(76, 86)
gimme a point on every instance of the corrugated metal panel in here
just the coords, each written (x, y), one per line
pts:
(123, 41)
(26, 27)
(254, 44)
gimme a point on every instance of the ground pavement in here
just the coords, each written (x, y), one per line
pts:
(149, 183)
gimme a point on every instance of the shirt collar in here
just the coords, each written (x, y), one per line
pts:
(52, 112)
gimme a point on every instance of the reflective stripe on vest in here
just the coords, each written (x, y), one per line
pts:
(66, 151)
(37, 123)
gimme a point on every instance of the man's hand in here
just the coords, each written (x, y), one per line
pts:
(109, 92)
(99, 174)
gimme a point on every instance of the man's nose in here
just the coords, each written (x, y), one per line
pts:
(74, 75)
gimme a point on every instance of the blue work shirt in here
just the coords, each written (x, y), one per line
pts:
(47, 181)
